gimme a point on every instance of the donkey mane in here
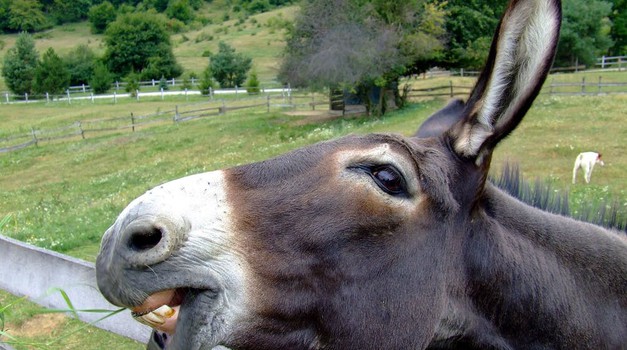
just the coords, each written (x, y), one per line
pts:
(541, 195)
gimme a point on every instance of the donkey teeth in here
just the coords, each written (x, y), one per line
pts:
(153, 319)
(165, 311)
(156, 317)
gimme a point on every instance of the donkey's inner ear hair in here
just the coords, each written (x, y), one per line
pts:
(521, 55)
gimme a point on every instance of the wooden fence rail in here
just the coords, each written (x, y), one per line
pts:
(553, 88)
(87, 128)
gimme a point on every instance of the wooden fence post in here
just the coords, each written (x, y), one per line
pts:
(69, 101)
(26, 96)
(599, 91)
(176, 113)
(80, 128)
(313, 102)
(551, 86)
(34, 133)
(223, 108)
(583, 85)
(115, 97)
(132, 122)
(268, 103)
(450, 84)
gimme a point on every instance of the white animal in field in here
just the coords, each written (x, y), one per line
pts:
(586, 161)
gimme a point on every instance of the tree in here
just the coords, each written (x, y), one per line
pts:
(228, 67)
(101, 79)
(619, 27)
(80, 63)
(252, 84)
(5, 14)
(20, 63)
(26, 15)
(100, 16)
(132, 83)
(51, 74)
(162, 65)
(66, 11)
(206, 81)
(470, 26)
(181, 10)
(362, 45)
(585, 32)
(133, 39)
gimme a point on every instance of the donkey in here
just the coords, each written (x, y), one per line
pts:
(377, 241)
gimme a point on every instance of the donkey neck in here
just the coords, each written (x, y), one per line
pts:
(528, 271)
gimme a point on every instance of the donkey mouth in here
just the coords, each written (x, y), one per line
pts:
(160, 310)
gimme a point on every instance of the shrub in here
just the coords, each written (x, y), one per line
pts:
(51, 74)
(132, 83)
(80, 63)
(101, 79)
(252, 84)
(206, 81)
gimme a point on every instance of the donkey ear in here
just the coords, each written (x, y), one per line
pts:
(521, 55)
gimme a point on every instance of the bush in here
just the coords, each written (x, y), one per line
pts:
(206, 81)
(181, 10)
(51, 74)
(252, 85)
(132, 83)
(163, 84)
(101, 79)
(80, 63)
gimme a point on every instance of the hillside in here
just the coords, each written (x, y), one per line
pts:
(258, 36)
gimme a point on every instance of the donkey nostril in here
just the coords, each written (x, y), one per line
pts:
(145, 239)
(152, 238)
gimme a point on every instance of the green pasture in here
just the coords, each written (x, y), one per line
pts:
(26, 325)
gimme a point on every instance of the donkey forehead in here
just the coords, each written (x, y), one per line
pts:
(331, 158)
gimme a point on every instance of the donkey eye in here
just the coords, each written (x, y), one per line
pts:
(389, 179)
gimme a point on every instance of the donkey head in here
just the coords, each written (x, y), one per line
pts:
(343, 244)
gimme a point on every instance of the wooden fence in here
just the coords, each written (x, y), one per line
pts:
(87, 128)
(598, 87)
(181, 113)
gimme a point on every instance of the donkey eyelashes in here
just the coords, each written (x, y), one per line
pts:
(387, 177)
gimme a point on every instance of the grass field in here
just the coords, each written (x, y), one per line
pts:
(32, 327)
